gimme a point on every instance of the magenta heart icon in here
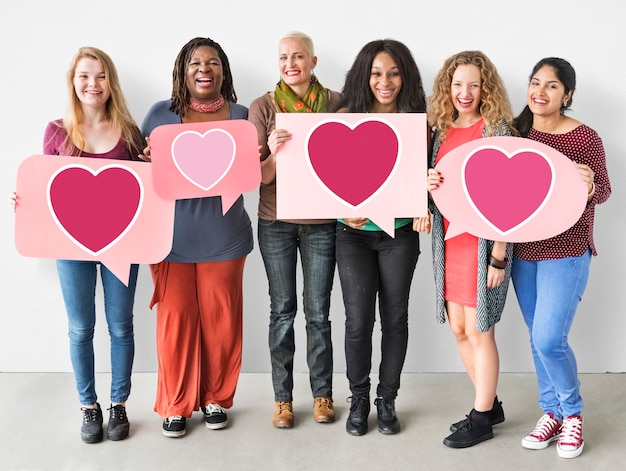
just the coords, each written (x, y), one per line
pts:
(507, 190)
(95, 209)
(353, 163)
(204, 159)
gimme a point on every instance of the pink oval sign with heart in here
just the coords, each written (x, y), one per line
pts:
(353, 162)
(204, 159)
(95, 209)
(509, 189)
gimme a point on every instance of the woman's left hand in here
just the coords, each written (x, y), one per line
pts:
(422, 224)
(495, 277)
(587, 176)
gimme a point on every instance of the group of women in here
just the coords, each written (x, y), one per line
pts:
(198, 287)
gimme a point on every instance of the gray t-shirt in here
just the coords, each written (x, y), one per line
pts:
(201, 232)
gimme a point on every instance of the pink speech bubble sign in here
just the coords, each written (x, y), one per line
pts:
(197, 160)
(352, 165)
(509, 189)
(91, 209)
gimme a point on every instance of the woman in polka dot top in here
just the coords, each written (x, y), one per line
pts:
(550, 275)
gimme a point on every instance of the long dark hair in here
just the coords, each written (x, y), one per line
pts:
(566, 75)
(356, 90)
(180, 92)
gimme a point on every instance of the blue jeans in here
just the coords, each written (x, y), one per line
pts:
(371, 263)
(279, 243)
(78, 285)
(548, 293)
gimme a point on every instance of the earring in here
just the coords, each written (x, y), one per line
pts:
(565, 104)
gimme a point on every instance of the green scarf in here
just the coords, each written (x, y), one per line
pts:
(315, 99)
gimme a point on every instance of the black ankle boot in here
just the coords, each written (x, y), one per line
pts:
(497, 416)
(471, 432)
(357, 419)
(388, 422)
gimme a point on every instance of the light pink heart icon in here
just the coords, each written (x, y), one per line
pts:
(95, 209)
(204, 159)
(507, 190)
(353, 163)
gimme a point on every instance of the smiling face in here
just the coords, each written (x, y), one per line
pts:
(90, 83)
(465, 92)
(295, 64)
(546, 93)
(385, 83)
(204, 75)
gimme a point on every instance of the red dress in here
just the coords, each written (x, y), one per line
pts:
(461, 259)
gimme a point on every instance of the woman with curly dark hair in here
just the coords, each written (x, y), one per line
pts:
(383, 79)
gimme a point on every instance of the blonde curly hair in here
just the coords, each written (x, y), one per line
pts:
(494, 101)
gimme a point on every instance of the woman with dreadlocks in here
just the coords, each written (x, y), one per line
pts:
(198, 287)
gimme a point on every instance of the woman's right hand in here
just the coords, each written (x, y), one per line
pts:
(13, 201)
(355, 223)
(433, 180)
(276, 139)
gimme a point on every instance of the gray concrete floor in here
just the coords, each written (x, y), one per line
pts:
(41, 429)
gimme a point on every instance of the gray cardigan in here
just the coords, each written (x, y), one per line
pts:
(490, 302)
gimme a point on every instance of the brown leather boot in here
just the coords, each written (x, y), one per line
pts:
(283, 415)
(323, 411)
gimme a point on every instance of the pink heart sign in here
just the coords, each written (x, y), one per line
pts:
(95, 208)
(204, 159)
(353, 162)
(507, 190)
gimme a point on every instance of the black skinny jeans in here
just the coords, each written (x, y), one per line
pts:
(371, 263)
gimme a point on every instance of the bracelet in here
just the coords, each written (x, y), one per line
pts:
(499, 264)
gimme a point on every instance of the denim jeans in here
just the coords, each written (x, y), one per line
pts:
(78, 285)
(371, 263)
(279, 243)
(548, 293)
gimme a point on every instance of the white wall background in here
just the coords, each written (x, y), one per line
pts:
(39, 37)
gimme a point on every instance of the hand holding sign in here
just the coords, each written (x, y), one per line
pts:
(509, 189)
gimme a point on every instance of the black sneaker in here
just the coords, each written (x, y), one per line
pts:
(174, 426)
(91, 430)
(388, 422)
(118, 426)
(215, 416)
(357, 419)
(469, 434)
(497, 416)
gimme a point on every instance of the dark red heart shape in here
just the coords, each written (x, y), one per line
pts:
(95, 208)
(353, 163)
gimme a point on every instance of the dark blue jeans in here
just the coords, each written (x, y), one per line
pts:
(78, 285)
(371, 263)
(279, 243)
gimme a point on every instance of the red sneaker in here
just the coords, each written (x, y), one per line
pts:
(546, 431)
(571, 442)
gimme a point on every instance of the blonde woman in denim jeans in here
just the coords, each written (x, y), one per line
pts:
(280, 241)
(97, 124)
